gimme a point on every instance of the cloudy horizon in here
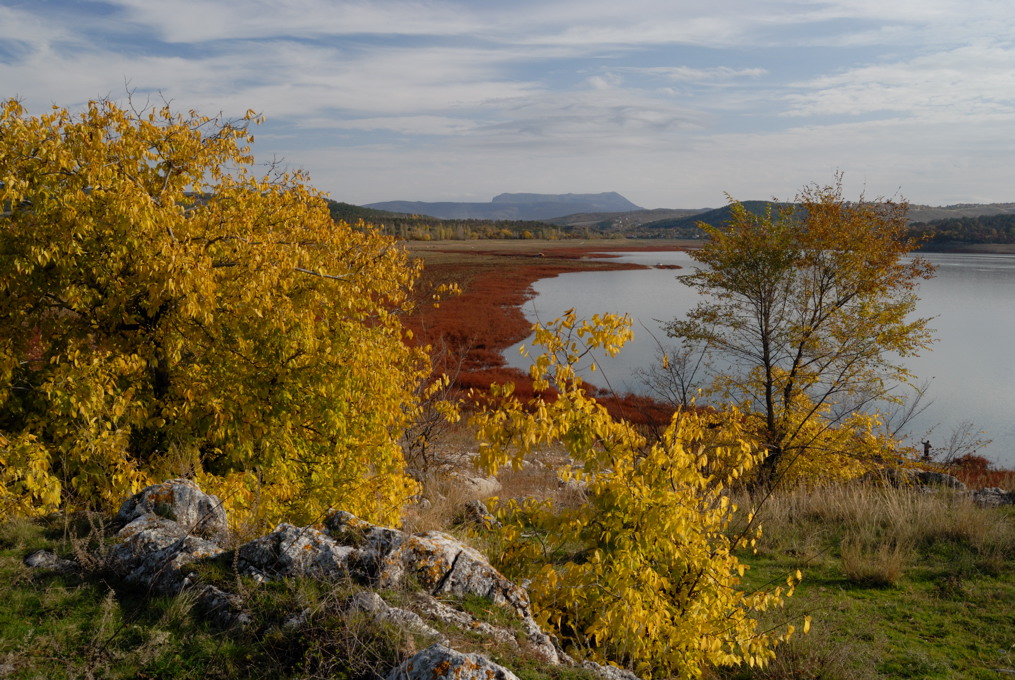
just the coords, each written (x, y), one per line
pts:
(671, 103)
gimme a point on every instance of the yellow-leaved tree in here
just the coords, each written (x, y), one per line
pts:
(164, 310)
(644, 574)
(809, 313)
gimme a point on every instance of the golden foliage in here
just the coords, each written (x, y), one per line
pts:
(810, 312)
(644, 574)
(165, 311)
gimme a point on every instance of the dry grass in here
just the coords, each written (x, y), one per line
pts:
(877, 528)
(877, 562)
(447, 489)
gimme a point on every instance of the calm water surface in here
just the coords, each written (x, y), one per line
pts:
(970, 369)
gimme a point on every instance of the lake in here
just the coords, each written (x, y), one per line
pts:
(970, 369)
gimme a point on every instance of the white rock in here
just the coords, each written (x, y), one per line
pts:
(297, 551)
(181, 501)
(370, 602)
(438, 662)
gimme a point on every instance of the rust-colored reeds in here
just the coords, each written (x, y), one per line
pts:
(475, 327)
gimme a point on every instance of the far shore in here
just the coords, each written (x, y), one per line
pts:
(588, 247)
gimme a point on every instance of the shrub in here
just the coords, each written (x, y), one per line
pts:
(643, 574)
(165, 312)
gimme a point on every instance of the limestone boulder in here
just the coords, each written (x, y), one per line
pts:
(371, 603)
(478, 487)
(993, 497)
(609, 672)
(436, 610)
(438, 662)
(374, 542)
(222, 608)
(939, 479)
(155, 552)
(476, 512)
(49, 560)
(441, 564)
(180, 501)
(297, 551)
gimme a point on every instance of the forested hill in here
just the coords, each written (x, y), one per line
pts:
(995, 225)
(981, 229)
(687, 226)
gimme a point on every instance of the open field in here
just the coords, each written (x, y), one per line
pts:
(899, 584)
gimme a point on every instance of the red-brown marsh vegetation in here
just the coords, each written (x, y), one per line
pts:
(473, 329)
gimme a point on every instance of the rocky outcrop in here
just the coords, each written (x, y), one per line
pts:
(296, 551)
(168, 530)
(929, 481)
(938, 479)
(180, 501)
(993, 497)
(608, 672)
(913, 477)
(476, 512)
(371, 603)
(163, 534)
(438, 662)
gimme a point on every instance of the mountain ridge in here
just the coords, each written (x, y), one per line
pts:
(508, 206)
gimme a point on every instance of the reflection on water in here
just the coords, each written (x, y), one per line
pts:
(970, 368)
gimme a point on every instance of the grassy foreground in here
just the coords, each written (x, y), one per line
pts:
(89, 624)
(899, 584)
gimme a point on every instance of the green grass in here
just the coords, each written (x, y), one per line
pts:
(91, 625)
(55, 625)
(935, 603)
(941, 607)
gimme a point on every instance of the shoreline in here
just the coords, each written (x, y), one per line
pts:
(496, 277)
(474, 329)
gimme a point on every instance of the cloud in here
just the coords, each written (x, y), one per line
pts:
(893, 157)
(672, 101)
(194, 21)
(717, 74)
(972, 79)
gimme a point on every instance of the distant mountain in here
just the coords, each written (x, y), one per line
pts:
(515, 206)
(350, 213)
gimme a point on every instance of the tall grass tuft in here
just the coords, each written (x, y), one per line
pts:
(879, 564)
(877, 528)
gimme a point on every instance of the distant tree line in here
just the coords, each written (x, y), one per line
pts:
(426, 228)
(980, 229)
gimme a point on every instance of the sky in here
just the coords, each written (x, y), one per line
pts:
(672, 103)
